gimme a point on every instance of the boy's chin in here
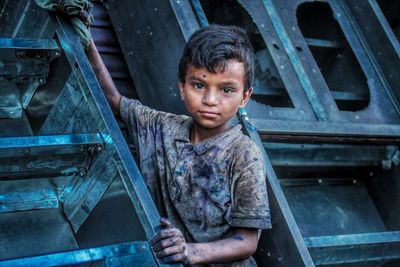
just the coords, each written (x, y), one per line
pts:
(211, 125)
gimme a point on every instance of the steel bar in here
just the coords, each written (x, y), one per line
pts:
(141, 249)
(345, 249)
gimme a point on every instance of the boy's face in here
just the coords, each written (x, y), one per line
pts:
(214, 98)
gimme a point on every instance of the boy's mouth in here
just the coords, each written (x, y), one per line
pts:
(208, 114)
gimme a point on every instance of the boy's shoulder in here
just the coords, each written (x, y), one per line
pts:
(134, 109)
(244, 151)
(244, 144)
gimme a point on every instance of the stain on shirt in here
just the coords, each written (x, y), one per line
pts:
(204, 188)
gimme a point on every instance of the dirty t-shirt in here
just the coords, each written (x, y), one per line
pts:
(204, 188)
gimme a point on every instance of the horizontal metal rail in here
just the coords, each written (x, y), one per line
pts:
(28, 43)
(339, 249)
(114, 254)
(49, 141)
(311, 132)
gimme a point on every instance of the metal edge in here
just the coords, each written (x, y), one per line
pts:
(49, 141)
(277, 189)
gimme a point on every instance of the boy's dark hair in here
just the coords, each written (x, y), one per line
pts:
(212, 46)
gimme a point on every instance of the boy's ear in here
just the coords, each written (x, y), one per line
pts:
(246, 97)
(181, 90)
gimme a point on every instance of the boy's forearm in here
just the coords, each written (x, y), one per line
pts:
(104, 78)
(241, 245)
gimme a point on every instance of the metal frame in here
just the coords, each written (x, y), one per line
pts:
(24, 61)
(40, 156)
(351, 28)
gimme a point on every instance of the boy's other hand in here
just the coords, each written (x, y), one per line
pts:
(170, 245)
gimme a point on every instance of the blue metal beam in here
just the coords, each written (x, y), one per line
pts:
(354, 239)
(341, 249)
(49, 141)
(114, 254)
(323, 43)
(199, 12)
(184, 12)
(28, 43)
(362, 131)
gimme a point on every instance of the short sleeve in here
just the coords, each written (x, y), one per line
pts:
(250, 206)
(142, 124)
(136, 115)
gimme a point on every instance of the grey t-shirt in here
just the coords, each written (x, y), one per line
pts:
(204, 188)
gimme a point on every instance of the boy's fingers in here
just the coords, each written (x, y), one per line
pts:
(165, 233)
(167, 243)
(165, 223)
(170, 251)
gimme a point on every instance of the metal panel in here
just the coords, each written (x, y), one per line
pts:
(150, 53)
(57, 157)
(382, 47)
(89, 189)
(24, 65)
(322, 209)
(103, 35)
(47, 94)
(390, 11)
(317, 155)
(28, 195)
(24, 19)
(28, 233)
(113, 220)
(15, 127)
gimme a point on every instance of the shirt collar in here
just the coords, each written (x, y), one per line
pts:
(184, 135)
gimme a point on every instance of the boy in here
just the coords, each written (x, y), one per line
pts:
(202, 173)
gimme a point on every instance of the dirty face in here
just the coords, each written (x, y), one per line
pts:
(214, 98)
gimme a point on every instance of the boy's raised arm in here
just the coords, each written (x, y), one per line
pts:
(104, 78)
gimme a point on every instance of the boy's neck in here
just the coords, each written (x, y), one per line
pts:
(198, 133)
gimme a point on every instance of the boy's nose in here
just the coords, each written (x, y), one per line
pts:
(210, 98)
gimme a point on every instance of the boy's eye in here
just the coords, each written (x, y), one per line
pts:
(227, 90)
(198, 85)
